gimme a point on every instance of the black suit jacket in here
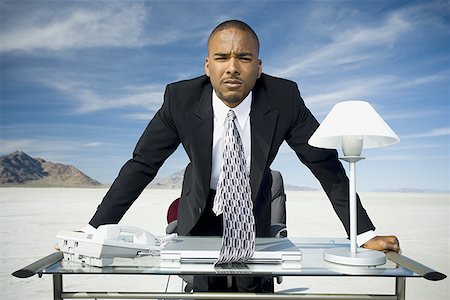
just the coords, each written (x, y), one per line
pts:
(278, 114)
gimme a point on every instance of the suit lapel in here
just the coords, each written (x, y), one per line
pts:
(263, 120)
(201, 128)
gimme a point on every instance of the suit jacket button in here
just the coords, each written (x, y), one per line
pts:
(199, 209)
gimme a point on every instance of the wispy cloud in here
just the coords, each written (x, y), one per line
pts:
(353, 89)
(86, 99)
(437, 132)
(415, 114)
(368, 88)
(350, 46)
(41, 25)
(103, 25)
(141, 116)
(91, 144)
(45, 145)
(432, 78)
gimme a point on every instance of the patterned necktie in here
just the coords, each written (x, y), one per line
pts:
(233, 198)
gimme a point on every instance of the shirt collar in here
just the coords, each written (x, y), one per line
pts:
(242, 111)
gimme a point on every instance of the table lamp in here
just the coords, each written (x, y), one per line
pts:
(352, 126)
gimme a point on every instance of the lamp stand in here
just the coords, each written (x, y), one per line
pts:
(354, 256)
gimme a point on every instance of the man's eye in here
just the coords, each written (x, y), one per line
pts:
(246, 59)
(220, 58)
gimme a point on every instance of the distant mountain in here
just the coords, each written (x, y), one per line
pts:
(174, 181)
(18, 168)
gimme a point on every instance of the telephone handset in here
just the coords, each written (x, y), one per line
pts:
(108, 241)
(118, 234)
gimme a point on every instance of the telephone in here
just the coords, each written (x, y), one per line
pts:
(107, 242)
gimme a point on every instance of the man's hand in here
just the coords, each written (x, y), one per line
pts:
(379, 242)
(57, 248)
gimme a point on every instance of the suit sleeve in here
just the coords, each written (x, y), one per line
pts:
(324, 164)
(159, 140)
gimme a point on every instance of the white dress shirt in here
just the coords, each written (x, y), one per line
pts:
(242, 121)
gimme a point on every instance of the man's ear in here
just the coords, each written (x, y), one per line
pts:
(207, 66)
(259, 67)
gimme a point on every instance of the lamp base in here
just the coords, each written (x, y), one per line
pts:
(362, 257)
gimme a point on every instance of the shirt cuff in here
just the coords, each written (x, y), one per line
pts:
(362, 238)
(89, 229)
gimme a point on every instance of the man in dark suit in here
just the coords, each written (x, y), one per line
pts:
(269, 111)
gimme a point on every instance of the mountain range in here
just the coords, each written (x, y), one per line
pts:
(20, 169)
(174, 181)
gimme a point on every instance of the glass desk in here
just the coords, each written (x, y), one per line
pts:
(397, 267)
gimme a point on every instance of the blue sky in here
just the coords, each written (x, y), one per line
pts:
(81, 79)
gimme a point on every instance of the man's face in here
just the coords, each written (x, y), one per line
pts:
(232, 64)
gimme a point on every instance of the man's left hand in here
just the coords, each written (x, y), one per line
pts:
(383, 243)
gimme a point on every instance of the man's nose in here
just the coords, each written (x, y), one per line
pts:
(233, 66)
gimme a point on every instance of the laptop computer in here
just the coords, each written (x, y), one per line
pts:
(206, 250)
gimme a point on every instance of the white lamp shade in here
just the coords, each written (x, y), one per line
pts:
(353, 119)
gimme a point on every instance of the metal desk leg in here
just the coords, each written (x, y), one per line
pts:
(400, 288)
(57, 286)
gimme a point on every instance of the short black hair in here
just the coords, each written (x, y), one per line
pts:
(237, 24)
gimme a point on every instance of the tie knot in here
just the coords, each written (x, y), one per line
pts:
(231, 115)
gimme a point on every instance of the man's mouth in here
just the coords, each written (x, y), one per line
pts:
(232, 83)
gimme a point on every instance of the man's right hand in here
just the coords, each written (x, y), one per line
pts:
(383, 243)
